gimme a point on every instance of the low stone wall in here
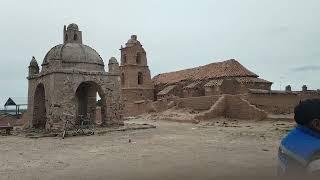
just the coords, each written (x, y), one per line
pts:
(197, 103)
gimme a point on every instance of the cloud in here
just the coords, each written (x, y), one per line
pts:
(307, 68)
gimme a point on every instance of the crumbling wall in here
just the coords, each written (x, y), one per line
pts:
(279, 103)
(274, 103)
(239, 108)
(232, 106)
(217, 110)
(147, 106)
(197, 103)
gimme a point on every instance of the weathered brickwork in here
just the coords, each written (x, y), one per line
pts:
(227, 77)
(233, 106)
(279, 103)
(197, 103)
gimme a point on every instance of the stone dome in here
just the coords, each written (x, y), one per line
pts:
(73, 53)
(73, 26)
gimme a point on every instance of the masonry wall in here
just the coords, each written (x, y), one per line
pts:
(197, 103)
(232, 106)
(133, 94)
(240, 108)
(248, 106)
(194, 92)
(278, 103)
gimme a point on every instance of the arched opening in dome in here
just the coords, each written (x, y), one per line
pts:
(39, 108)
(140, 78)
(91, 103)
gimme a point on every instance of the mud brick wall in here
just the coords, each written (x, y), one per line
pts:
(197, 103)
(239, 108)
(274, 103)
(279, 103)
(233, 106)
(134, 109)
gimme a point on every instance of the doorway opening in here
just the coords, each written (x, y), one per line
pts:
(91, 103)
(39, 108)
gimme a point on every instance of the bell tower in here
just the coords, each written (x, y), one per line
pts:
(136, 83)
(71, 34)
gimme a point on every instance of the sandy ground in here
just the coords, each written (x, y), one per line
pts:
(171, 151)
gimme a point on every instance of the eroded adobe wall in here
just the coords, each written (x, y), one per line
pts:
(197, 103)
(232, 106)
(279, 103)
(274, 103)
(132, 94)
(194, 92)
(239, 108)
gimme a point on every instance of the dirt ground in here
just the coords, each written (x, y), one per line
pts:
(173, 150)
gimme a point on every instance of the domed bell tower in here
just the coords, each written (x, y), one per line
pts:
(136, 83)
(71, 34)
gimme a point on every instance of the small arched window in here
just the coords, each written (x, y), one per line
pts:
(138, 58)
(66, 37)
(140, 78)
(75, 37)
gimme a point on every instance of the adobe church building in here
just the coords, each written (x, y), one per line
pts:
(227, 77)
(224, 88)
(72, 74)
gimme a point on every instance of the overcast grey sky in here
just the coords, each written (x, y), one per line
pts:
(277, 39)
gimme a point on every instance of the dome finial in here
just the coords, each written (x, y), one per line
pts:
(134, 37)
(33, 62)
(73, 26)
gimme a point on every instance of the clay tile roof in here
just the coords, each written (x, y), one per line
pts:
(166, 90)
(229, 68)
(214, 82)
